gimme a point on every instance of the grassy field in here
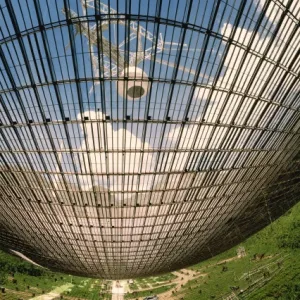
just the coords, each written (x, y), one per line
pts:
(270, 270)
(150, 282)
(30, 286)
(149, 292)
(22, 280)
(88, 289)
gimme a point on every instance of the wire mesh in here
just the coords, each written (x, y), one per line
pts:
(138, 137)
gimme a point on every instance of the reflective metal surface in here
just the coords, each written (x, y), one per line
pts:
(139, 137)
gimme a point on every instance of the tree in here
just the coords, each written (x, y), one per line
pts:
(3, 278)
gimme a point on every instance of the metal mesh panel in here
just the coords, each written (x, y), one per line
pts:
(138, 137)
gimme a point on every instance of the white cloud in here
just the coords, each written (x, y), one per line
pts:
(241, 68)
(275, 9)
(105, 155)
(290, 22)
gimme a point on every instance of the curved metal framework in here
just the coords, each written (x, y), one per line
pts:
(138, 137)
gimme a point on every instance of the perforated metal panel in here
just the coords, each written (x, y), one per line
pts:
(138, 137)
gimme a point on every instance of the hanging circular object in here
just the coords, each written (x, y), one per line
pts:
(134, 84)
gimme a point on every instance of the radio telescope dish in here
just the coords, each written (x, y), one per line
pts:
(119, 157)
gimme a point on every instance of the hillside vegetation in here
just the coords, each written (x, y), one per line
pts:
(20, 279)
(270, 269)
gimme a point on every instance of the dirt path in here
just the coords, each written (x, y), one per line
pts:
(226, 260)
(54, 293)
(183, 276)
(18, 293)
(119, 288)
(153, 287)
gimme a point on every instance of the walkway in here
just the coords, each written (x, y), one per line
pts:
(55, 293)
(183, 276)
(119, 288)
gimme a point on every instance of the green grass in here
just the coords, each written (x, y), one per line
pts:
(19, 284)
(144, 286)
(85, 290)
(280, 240)
(286, 285)
(165, 277)
(134, 286)
(33, 284)
(152, 282)
(149, 292)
